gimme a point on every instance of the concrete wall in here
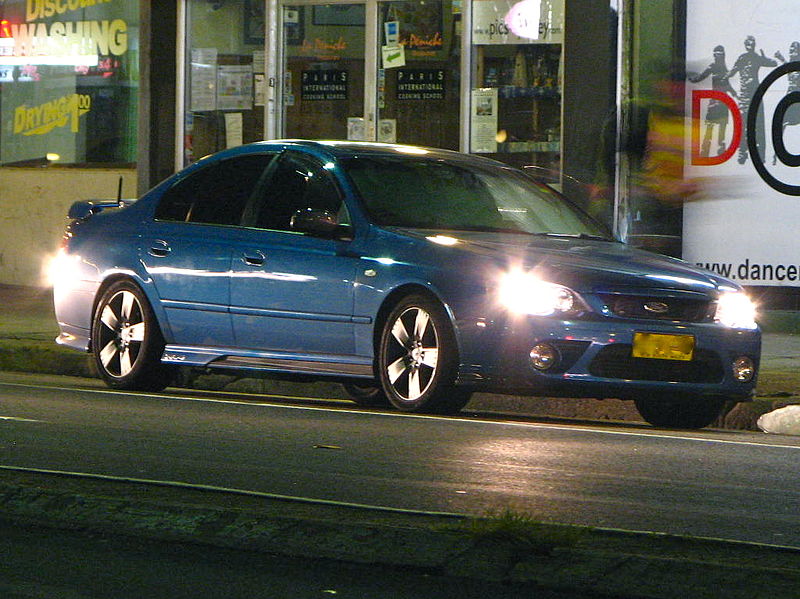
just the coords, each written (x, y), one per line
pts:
(33, 213)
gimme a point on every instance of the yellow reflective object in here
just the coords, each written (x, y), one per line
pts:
(663, 347)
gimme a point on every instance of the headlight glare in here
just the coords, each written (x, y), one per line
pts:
(525, 293)
(736, 310)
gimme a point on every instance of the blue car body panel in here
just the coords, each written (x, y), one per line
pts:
(242, 297)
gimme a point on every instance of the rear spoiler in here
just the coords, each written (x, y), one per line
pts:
(83, 209)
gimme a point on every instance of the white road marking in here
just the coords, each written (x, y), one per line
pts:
(204, 487)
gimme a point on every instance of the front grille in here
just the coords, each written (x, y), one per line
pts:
(660, 308)
(616, 362)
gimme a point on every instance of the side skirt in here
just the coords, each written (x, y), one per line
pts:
(310, 364)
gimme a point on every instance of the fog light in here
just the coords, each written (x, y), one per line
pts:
(743, 369)
(544, 356)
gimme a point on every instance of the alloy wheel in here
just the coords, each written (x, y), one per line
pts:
(412, 353)
(122, 333)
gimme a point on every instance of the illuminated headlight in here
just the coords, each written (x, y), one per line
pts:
(736, 310)
(525, 293)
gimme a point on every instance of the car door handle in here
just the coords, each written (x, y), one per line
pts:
(254, 258)
(159, 249)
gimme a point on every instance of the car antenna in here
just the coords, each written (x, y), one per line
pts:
(119, 191)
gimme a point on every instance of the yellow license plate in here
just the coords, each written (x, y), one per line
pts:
(663, 347)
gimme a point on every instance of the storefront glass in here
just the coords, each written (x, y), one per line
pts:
(515, 113)
(655, 130)
(419, 74)
(69, 82)
(396, 71)
(323, 73)
(405, 88)
(225, 76)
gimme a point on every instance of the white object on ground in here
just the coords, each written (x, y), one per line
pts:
(784, 421)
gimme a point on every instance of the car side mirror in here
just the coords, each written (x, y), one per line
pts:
(319, 223)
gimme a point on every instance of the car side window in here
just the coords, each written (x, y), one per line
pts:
(216, 194)
(297, 183)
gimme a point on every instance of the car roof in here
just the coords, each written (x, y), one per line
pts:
(348, 149)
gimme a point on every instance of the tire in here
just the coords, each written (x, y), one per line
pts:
(366, 395)
(127, 343)
(418, 358)
(680, 412)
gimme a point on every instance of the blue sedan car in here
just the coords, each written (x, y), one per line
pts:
(414, 276)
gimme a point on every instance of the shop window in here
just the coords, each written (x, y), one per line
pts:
(225, 87)
(69, 82)
(419, 84)
(515, 113)
(323, 71)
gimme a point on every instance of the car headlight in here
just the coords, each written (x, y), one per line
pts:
(525, 293)
(736, 310)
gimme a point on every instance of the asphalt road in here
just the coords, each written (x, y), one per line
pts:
(724, 484)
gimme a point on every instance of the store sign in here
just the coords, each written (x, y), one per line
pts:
(323, 85)
(61, 42)
(69, 85)
(42, 119)
(518, 22)
(743, 150)
(420, 84)
(324, 49)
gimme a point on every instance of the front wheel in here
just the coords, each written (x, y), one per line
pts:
(418, 358)
(680, 412)
(126, 341)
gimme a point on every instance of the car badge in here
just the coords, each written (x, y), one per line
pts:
(656, 307)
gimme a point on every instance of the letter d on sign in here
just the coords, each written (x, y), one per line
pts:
(20, 118)
(710, 94)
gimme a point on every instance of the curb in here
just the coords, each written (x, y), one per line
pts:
(611, 563)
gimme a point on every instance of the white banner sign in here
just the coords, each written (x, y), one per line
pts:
(743, 98)
(518, 22)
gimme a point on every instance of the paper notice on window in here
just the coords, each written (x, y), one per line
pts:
(259, 61)
(204, 80)
(260, 90)
(356, 128)
(233, 129)
(235, 87)
(483, 126)
(387, 131)
(393, 56)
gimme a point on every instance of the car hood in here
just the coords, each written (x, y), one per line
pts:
(582, 264)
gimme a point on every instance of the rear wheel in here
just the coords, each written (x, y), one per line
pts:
(126, 341)
(680, 412)
(418, 358)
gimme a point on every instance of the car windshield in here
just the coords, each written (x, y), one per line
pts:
(424, 193)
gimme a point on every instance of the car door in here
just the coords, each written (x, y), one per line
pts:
(292, 291)
(187, 247)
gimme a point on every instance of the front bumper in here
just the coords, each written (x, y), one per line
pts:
(595, 359)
